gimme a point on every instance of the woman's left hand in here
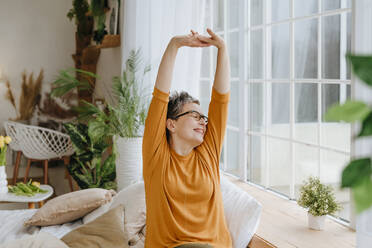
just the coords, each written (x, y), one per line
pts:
(213, 40)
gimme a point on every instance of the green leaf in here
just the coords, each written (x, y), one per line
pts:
(96, 130)
(366, 126)
(362, 67)
(354, 171)
(350, 111)
(362, 194)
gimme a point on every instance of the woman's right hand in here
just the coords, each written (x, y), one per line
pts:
(190, 40)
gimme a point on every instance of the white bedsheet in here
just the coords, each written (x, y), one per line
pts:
(12, 227)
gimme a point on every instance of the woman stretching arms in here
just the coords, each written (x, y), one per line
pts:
(181, 155)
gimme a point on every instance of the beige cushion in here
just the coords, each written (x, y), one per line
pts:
(69, 207)
(40, 240)
(133, 200)
(105, 231)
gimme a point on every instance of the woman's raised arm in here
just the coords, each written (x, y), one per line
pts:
(222, 76)
(165, 72)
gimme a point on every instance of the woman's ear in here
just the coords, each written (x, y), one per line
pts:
(171, 125)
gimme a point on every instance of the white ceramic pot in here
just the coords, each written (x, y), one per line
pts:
(128, 161)
(316, 222)
(3, 181)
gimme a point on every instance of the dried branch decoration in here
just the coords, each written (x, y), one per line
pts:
(30, 95)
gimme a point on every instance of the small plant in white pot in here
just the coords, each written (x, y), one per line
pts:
(320, 201)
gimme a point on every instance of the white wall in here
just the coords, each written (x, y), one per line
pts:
(37, 34)
(34, 34)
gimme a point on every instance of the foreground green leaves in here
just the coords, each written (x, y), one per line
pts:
(349, 112)
(358, 173)
(362, 67)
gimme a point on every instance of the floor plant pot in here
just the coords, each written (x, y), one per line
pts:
(128, 161)
(316, 222)
(3, 181)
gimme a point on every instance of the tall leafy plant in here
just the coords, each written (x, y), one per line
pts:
(88, 166)
(357, 174)
(127, 116)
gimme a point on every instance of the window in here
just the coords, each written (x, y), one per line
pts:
(287, 68)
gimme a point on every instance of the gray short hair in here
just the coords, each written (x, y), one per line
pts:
(175, 105)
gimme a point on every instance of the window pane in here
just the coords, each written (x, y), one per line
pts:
(279, 165)
(234, 13)
(232, 165)
(234, 105)
(348, 38)
(256, 159)
(331, 166)
(256, 54)
(330, 4)
(331, 47)
(256, 12)
(335, 134)
(279, 10)
(330, 96)
(205, 68)
(256, 107)
(234, 53)
(279, 110)
(304, 8)
(306, 102)
(204, 95)
(306, 49)
(218, 15)
(280, 51)
(306, 112)
(306, 164)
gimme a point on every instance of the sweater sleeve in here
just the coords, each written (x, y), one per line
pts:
(217, 119)
(155, 127)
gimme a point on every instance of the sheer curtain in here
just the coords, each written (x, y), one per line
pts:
(149, 25)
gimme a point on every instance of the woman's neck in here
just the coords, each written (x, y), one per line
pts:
(180, 146)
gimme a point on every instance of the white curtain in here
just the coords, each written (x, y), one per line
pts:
(149, 25)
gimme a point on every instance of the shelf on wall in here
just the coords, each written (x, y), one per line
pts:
(110, 41)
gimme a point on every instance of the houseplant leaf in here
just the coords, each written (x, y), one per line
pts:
(361, 191)
(366, 126)
(362, 67)
(355, 170)
(350, 111)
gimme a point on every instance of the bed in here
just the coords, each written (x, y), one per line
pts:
(242, 214)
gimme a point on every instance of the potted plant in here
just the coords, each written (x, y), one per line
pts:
(320, 201)
(124, 120)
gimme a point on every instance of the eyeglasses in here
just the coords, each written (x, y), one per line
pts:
(195, 114)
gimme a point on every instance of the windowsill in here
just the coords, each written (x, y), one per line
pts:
(284, 224)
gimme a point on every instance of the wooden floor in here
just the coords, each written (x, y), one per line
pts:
(284, 224)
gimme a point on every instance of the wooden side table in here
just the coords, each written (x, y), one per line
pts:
(31, 200)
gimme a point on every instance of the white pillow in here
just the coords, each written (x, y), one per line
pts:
(133, 200)
(242, 213)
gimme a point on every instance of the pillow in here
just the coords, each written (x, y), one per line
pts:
(133, 200)
(96, 213)
(242, 213)
(70, 206)
(105, 231)
(42, 239)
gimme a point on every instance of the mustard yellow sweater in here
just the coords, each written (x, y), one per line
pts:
(183, 196)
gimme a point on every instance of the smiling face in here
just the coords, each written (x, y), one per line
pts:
(187, 127)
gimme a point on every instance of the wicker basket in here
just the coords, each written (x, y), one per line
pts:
(110, 40)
